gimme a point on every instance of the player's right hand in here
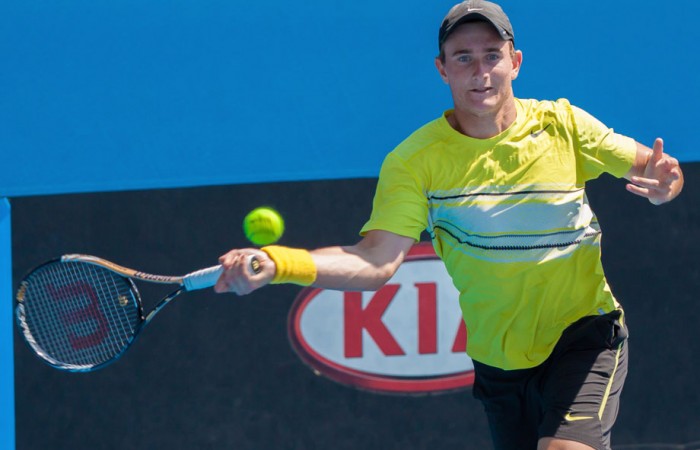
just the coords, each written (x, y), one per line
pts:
(239, 277)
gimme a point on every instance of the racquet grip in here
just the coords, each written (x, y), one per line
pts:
(205, 278)
(202, 279)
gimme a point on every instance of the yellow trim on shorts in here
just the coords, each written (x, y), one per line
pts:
(612, 378)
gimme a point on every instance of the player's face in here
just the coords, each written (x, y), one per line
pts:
(479, 67)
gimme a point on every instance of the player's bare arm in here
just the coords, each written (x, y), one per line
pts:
(655, 175)
(366, 265)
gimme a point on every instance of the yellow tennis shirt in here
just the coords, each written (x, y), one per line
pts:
(510, 218)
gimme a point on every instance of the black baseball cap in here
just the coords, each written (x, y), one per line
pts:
(475, 10)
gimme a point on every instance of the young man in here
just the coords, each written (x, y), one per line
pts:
(498, 182)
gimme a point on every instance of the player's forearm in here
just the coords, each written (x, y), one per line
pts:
(352, 268)
(640, 162)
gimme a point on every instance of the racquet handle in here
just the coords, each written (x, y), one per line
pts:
(205, 278)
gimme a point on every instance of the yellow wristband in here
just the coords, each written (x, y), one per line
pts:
(294, 265)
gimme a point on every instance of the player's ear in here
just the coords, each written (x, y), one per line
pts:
(440, 65)
(517, 57)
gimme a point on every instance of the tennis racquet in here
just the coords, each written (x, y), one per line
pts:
(80, 312)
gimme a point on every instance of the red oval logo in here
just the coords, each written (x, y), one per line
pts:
(407, 337)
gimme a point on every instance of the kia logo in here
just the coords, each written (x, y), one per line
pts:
(407, 337)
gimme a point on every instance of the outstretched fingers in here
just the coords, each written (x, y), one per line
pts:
(661, 178)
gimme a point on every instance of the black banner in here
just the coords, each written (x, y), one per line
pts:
(216, 372)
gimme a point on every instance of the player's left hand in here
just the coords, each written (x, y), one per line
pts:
(662, 179)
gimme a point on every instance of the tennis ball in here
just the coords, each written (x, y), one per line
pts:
(263, 226)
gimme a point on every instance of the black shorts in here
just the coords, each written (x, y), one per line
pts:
(573, 395)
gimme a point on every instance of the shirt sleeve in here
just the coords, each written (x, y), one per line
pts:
(600, 148)
(400, 205)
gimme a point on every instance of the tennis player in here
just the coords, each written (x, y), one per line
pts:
(498, 182)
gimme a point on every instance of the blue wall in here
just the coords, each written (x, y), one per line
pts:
(103, 95)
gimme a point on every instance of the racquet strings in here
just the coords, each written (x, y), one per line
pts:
(77, 315)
